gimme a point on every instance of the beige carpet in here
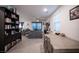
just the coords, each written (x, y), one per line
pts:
(28, 46)
(36, 45)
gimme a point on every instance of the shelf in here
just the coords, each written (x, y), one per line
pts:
(7, 17)
(6, 23)
(14, 19)
(12, 29)
(9, 11)
(10, 23)
(11, 18)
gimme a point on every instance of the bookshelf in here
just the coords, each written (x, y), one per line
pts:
(9, 29)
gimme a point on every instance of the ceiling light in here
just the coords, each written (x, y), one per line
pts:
(45, 10)
(37, 20)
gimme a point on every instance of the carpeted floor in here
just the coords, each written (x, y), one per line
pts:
(28, 46)
(60, 44)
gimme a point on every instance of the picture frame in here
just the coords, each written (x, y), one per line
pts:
(74, 13)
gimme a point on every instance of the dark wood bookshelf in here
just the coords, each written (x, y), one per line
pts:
(9, 29)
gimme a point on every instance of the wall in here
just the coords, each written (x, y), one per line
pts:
(70, 28)
(27, 22)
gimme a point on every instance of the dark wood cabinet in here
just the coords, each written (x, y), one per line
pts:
(9, 29)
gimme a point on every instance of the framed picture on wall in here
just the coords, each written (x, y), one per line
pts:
(74, 13)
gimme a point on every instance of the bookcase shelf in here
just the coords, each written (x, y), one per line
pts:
(9, 29)
(11, 23)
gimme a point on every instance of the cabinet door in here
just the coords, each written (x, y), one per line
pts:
(1, 30)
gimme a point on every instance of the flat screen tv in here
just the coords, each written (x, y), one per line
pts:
(74, 13)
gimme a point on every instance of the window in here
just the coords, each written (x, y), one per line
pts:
(57, 23)
(37, 26)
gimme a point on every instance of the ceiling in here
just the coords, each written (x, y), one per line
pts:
(36, 10)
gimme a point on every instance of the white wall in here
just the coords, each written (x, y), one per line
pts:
(70, 28)
(27, 22)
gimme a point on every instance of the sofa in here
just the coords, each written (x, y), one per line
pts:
(35, 34)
